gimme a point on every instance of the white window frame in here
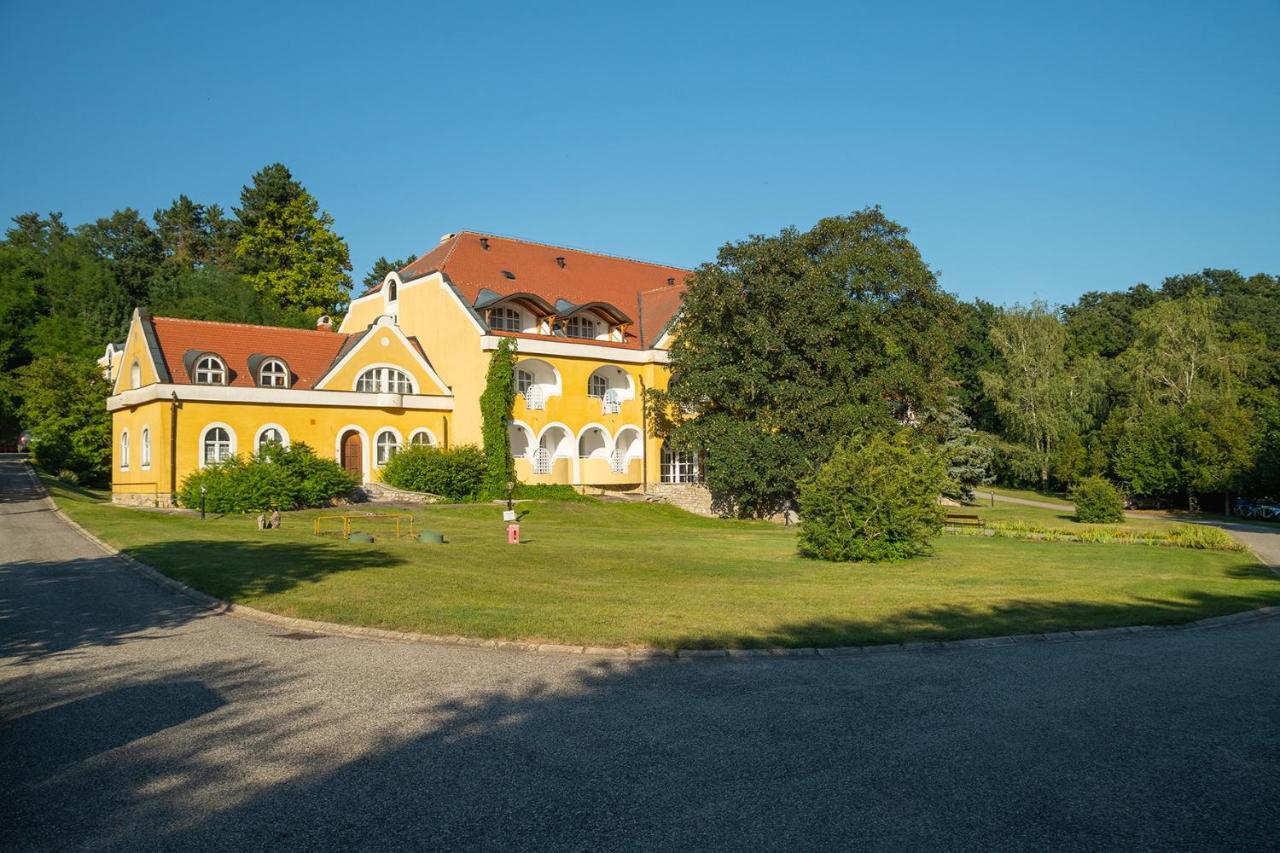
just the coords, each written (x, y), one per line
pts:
(524, 381)
(385, 379)
(378, 460)
(574, 328)
(679, 467)
(596, 379)
(145, 449)
(218, 368)
(262, 430)
(282, 374)
(504, 318)
(204, 435)
(124, 450)
(421, 432)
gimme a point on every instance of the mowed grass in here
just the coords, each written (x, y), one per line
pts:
(1061, 519)
(596, 573)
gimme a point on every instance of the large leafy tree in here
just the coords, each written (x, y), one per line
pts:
(787, 343)
(286, 246)
(132, 250)
(64, 407)
(1041, 394)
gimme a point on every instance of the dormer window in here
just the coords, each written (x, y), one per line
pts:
(273, 374)
(391, 290)
(505, 319)
(580, 327)
(210, 370)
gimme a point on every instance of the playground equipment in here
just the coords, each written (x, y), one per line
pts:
(332, 524)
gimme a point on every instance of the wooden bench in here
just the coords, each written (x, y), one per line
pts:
(954, 520)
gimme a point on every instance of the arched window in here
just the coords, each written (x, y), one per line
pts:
(392, 294)
(385, 446)
(135, 375)
(597, 386)
(210, 370)
(679, 466)
(580, 326)
(273, 374)
(124, 451)
(146, 447)
(422, 438)
(270, 437)
(385, 380)
(216, 445)
(505, 319)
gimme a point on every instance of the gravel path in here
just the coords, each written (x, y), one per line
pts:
(131, 720)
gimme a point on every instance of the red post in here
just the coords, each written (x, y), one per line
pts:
(513, 534)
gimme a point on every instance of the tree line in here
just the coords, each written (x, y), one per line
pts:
(790, 344)
(66, 291)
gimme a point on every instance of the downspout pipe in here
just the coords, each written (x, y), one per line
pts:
(174, 405)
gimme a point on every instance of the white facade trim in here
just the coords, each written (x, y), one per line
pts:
(561, 347)
(231, 433)
(257, 436)
(366, 448)
(279, 397)
(385, 322)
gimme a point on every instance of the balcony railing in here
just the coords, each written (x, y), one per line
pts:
(542, 461)
(535, 398)
(611, 403)
(618, 461)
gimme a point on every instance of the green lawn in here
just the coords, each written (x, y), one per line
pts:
(642, 574)
(1063, 519)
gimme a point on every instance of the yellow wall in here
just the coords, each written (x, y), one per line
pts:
(135, 347)
(317, 426)
(383, 347)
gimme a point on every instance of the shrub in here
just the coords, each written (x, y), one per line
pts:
(278, 478)
(1097, 501)
(456, 474)
(873, 499)
(547, 492)
(1202, 536)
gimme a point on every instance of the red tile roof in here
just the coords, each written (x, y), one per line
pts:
(308, 353)
(585, 277)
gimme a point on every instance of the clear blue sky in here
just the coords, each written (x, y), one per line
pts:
(1033, 150)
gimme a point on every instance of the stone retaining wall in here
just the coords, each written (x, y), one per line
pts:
(691, 497)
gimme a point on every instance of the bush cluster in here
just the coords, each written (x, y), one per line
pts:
(874, 499)
(456, 474)
(277, 478)
(1097, 501)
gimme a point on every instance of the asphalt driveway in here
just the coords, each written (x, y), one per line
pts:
(132, 720)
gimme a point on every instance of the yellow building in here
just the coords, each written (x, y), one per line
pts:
(407, 366)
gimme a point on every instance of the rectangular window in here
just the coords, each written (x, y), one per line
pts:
(679, 467)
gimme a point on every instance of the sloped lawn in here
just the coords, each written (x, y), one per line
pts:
(643, 574)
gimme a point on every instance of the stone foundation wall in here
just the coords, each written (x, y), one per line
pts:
(390, 494)
(691, 497)
(151, 500)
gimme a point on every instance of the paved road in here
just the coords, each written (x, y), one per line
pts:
(133, 721)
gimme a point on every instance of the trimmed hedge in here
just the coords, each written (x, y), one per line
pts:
(1097, 501)
(456, 474)
(278, 478)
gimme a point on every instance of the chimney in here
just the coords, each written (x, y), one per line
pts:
(484, 243)
(671, 282)
(560, 261)
(324, 324)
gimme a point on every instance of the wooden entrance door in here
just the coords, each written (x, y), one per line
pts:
(353, 453)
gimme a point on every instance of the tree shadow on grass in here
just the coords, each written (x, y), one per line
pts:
(235, 570)
(1019, 616)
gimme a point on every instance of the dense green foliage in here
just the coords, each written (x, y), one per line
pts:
(382, 266)
(495, 412)
(64, 406)
(875, 498)
(277, 478)
(66, 292)
(1097, 501)
(787, 344)
(456, 473)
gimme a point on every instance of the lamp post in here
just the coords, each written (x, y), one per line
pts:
(511, 487)
(203, 489)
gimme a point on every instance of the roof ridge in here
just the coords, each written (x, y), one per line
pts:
(249, 326)
(566, 248)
